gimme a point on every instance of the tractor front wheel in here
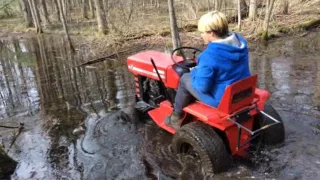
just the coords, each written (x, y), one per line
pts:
(201, 141)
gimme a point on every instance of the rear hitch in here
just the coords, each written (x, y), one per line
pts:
(241, 117)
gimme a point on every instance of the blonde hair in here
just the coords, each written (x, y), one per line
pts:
(214, 21)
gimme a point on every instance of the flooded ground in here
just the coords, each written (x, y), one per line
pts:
(79, 122)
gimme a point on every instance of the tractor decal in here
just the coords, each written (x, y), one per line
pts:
(138, 70)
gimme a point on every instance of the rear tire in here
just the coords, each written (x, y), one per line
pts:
(200, 140)
(275, 134)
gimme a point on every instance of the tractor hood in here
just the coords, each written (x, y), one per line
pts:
(140, 63)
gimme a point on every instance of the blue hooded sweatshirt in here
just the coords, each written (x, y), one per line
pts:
(222, 63)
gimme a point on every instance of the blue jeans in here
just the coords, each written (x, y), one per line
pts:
(185, 94)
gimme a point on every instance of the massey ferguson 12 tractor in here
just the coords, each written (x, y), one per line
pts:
(213, 135)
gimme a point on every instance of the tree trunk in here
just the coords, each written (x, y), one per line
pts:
(173, 26)
(20, 7)
(58, 9)
(26, 13)
(69, 5)
(217, 5)
(239, 15)
(269, 8)
(101, 18)
(285, 9)
(36, 18)
(64, 7)
(106, 7)
(64, 23)
(92, 9)
(130, 11)
(253, 10)
(65, 10)
(68, 10)
(45, 11)
(37, 10)
(243, 7)
(104, 4)
(85, 9)
(194, 8)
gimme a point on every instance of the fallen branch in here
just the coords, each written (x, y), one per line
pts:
(108, 57)
(139, 36)
(10, 127)
(21, 127)
(310, 24)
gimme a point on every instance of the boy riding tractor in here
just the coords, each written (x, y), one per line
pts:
(215, 111)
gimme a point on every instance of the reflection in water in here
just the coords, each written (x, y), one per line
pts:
(40, 78)
(17, 82)
(112, 144)
(290, 70)
(42, 86)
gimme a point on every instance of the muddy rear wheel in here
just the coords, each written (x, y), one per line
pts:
(202, 142)
(273, 135)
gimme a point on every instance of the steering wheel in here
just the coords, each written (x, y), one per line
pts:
(187, 62)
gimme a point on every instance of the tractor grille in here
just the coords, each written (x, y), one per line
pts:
(137, 86)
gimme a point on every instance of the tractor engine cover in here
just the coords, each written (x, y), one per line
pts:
(140, 65)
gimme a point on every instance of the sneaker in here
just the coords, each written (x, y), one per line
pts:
(174, 120)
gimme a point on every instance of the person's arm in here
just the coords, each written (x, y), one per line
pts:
(202, 78)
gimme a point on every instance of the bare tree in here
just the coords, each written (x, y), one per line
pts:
(285, 9)
(105, 6)
(173, 26)
(239, 15)
(45, 11)
(217, 5)
(269, 8)
(35, 16)
(143, 3)
(194, 8)
(64, 23)
(209, 5)
(85, 9)
(57, 9)
(244, 8)
(92, 8)
(253, 10)
(101, 18)
(26, 13)
(130, 11)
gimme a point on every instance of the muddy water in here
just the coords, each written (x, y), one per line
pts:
(79, 122)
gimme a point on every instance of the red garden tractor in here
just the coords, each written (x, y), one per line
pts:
(212, 134)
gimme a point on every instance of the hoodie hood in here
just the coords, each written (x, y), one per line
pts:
(233, 47)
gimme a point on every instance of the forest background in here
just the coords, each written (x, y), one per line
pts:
(113, 22)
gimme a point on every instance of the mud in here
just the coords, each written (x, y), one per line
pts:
(80, 123)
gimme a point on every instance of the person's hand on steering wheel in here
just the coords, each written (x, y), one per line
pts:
(186, 60)
(192, 68)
